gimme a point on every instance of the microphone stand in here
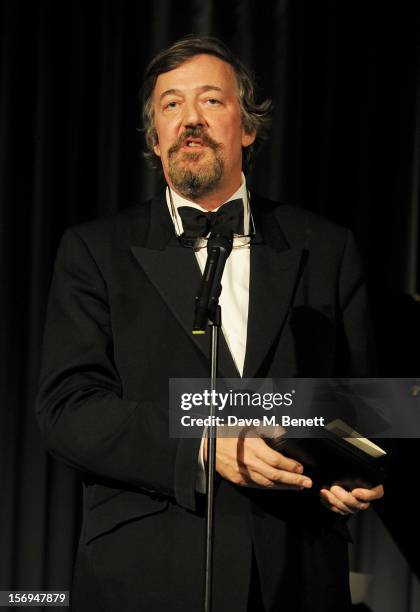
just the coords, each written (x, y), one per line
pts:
(215, 323)
(208, 311)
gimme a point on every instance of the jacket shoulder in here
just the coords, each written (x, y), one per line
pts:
(300, 225)
(106, 227)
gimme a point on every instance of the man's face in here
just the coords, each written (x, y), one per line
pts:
(198, 124)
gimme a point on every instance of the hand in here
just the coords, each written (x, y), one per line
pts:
(249, 462)
(344, 502)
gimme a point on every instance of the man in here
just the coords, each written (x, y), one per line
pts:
(119, 326)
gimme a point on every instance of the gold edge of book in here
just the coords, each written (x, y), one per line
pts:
(351, 436)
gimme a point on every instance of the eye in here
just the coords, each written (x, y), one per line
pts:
(213, 102)
(171, 105)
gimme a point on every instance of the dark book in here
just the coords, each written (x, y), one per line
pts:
(341, 456)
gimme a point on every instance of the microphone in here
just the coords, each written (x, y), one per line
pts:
(219, 247)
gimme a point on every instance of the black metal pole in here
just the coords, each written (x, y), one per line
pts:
(211, 462)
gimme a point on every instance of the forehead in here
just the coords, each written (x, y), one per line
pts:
(197, 73)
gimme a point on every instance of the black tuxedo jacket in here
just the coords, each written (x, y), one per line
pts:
(118, 327)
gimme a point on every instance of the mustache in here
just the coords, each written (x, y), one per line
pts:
(194, 133)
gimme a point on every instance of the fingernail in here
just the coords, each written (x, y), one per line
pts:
(299, 468)
(307, 483)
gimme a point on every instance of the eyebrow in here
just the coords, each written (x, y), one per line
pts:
(202, 89)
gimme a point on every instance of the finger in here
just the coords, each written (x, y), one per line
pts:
(276, 459)
(274, 475)
(335, 502)
(252, 478)
(325, 503)
(369, 495)
(248, 478)
(347, 498)
(258, 483)
(284, 487)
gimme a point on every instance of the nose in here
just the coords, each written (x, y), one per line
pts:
(193, 117)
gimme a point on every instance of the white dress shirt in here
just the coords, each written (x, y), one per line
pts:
(234, 299)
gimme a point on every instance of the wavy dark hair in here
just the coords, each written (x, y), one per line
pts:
(255, 117)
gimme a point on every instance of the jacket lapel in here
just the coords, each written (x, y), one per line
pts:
(274, 274)
(175, 274)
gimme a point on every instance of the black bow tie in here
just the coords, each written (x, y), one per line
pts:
(197, 223)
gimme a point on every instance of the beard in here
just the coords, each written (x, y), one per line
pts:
(190, 177)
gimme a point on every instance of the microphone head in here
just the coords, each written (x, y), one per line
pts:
(221, 236)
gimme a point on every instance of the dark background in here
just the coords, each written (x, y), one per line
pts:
(345, 142)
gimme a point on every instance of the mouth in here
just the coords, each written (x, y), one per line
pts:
(193, 144)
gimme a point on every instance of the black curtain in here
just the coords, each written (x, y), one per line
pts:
(345, 142)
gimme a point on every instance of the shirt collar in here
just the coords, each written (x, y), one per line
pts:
(178, 200)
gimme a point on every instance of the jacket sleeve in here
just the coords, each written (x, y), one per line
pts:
(83, 417)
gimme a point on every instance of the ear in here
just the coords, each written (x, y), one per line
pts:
(248, 138)
(156, 149)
